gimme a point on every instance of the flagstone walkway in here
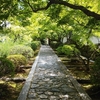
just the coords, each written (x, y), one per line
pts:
(49, 79)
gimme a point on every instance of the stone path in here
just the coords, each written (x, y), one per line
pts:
(51, 80)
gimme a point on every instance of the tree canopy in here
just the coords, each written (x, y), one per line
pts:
(57, 19)
(17, 7)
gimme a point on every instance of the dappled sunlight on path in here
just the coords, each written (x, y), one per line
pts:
(52, 81)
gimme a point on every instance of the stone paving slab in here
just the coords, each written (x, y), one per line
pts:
(51, 80)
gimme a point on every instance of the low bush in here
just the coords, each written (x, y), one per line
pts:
(68, 50)
(59, 50)
(35, 44)
(23, 50)
(18, 60)
(4, 48)
(6, 67)
(95, 72)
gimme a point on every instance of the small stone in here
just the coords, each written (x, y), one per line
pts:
(67, 90)
(31, 91)
(55, 90)
(53, 98)
(47, 79)
(32, 95)
(64, 86)
(39, 92)
(64, 96)
(34, 86)
(43, 96)
(43, 90)
(56, 93)
(40, 83)
(48, 93)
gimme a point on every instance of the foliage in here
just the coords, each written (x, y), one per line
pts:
(5, 48)
(35, 36)
(18, 60)
(95, 72)
(22, 49)
(70, 50)
(59, 50)
(35, 45)
(20, 7)
(6, 67)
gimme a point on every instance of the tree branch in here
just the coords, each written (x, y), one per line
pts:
(35, 10)
(76, 7)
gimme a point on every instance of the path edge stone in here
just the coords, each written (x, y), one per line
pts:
(25, 88)
(79, 88)
(82, 93)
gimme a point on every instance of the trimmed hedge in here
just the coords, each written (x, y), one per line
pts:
(6, 67)
(59, 50)
(68, 50)
(18, 60)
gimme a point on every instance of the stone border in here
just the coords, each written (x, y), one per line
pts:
(80, 89)
(25, 89)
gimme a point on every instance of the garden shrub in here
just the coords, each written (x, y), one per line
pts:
(6, 67)
(4, 48)
(95, 72)
(23, 50)
(68, 50)
(35, 44)
(59, 50)
(18, 60)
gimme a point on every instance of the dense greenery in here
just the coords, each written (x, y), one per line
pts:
(17, 60)
(35, 45)
(26, 23)
(6, 67)
(68, 50)
(21, 49)
(95, 72)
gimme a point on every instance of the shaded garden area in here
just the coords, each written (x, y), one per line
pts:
(14, 69)
(70, 27)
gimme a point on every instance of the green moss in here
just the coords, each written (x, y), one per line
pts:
(18, 60)
(6, 67)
